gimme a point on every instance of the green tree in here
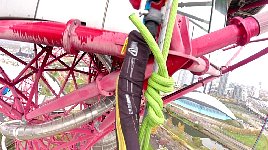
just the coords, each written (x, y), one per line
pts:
(197, 141)
(180, 127)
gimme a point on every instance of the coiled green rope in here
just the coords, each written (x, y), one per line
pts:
(159, 81)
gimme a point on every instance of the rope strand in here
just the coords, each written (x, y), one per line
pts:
(159, 81)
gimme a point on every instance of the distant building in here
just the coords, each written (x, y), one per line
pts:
(229, 92)
(264, 94)
(237, 92)
(222, 84)
(184, 78)
(22, 54)
(254, 91)
(244, 95)
(257, 90)
(213, 87)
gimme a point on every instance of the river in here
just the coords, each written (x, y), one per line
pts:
(206, 141)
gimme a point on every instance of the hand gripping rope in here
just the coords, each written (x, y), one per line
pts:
(159, 81)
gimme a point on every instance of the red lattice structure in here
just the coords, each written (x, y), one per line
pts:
(76, 67)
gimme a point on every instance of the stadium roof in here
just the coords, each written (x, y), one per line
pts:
(208, 101)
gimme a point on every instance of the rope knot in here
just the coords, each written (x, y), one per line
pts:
(158, 82)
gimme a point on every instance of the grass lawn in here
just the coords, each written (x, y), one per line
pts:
(249, 140)
(182, 139)
(44, 90)
(81, 81)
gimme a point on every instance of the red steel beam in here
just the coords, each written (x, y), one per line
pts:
(8, 109)
(76, 96)
(56, 58)
(5, 82)
(35, 84)
(91, 139)
(53, 34)
(107, 42)
(29, 65)
(99, 136)
(247, 60)
(48, 86)
(91, 90)
(181, 92)
(234, 56)
(240, 32)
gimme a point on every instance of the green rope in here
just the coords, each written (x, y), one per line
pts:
(159, 81)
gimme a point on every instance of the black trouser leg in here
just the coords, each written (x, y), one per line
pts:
(130, 85)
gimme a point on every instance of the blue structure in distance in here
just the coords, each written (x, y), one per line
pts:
(206, 105)
(4, 91)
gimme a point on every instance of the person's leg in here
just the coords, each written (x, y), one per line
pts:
(130, 85)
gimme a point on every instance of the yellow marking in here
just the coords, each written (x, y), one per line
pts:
(123, 51)
(120, 136)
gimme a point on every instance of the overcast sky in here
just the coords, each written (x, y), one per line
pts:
(256, 71)
(250, 74)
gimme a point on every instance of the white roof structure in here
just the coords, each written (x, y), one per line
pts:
(209, 101)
